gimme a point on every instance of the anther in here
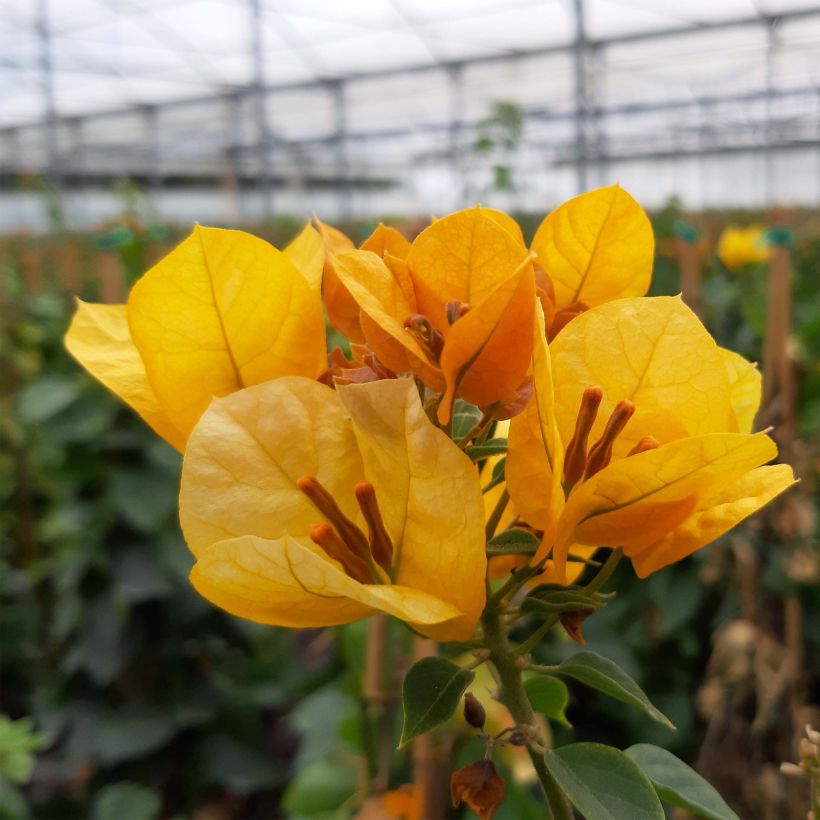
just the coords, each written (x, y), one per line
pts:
(646, 443)
(351, 535)
(381, 545)
(576, 455)
(328, 539)
(455, 310)
(601, 452)
(431, 339)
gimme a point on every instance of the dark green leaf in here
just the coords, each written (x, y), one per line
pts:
(320, 789)
(130, 733)
(498, 475)
(552, 598)
(493, 447)
(465, 418)
(603, 783)
(49, 395)
(606, 676)
(239, 768)
(12, 803)
(431, 692)
(125, 801)
(549, 696)
(513, 542)
(677, 784)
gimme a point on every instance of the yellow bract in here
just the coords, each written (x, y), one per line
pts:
(470, 279)
(222, 311)
(739, 247)
(597, 247)
(701, 475)
(247, 522)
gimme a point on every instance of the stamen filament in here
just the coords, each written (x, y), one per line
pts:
(455, 310)
(428, 337)
(646, 443)
(328, 539)
(351, 535)
(381, 545)
(576, 455)
(601, 453)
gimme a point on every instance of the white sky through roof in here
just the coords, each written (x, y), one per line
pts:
(114, 53)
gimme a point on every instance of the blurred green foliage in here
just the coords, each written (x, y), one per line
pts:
(155, 704)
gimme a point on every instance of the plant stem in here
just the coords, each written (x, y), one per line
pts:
(605, 571)
(513, 696)
(495, 515)
(536, 636)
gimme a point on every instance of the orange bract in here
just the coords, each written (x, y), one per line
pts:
(457, 312)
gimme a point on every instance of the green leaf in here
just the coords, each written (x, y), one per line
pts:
(552, 598)
(239, 768)
(465, 418)
(18, 742)
(549, 696)
(677, 784)
(603, 783)
(321, 789)
(49, 395)
(431, 692)
(12, 803)
(498, 475)
(513, 542)
(493, 447)
(606, 676)
(125, 801)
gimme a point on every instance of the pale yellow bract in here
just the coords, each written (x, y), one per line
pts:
(224, 310)
(247, 522)
(696, 400)
(221, 348)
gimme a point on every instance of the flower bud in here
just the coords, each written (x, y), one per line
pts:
(474, 712)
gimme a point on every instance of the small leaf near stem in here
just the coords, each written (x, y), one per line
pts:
(483, 424)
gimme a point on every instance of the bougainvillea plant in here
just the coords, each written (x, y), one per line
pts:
(505, 422)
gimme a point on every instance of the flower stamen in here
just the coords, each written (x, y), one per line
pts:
(601, 452)
(455, 310)
(576, 456)
(427, 336)
(646, 443)
(351, 535)
(328, 539)
(381, 545)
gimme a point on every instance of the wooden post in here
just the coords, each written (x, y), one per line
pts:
(686, 242)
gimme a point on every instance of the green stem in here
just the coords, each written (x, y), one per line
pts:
(495, 515)
(536, 636)
(605, 571)
(513, 696)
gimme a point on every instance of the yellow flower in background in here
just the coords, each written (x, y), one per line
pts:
(222, 311)
(457, 311)
(308, 507)
(596, 247)
(739, 247)
(639, 436)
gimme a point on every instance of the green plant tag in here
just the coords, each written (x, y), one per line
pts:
(603, 783)
(431, 692)
(678, 784)
(513, 542)
(549, 696)
(606, 676)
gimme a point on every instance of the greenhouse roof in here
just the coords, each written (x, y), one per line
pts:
(114, 54)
